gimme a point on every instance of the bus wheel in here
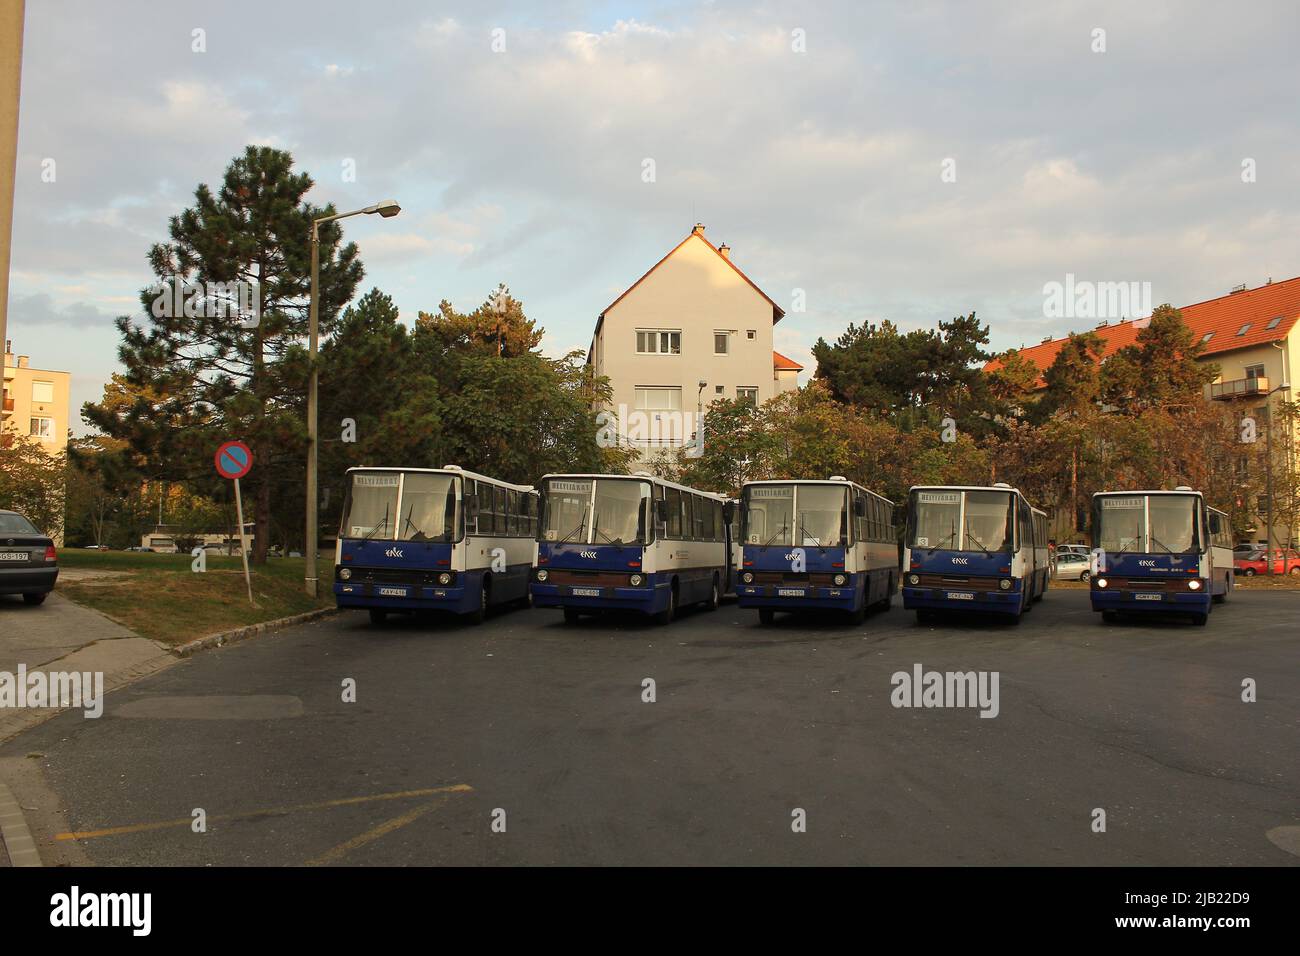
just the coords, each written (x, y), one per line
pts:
(766, 615)
(715, 596)
(378, 616)
(480, 615)
(572, 615)
(1014, 619)
(667, 614)
(1110, 617)
(1200, 620)
(924, 616)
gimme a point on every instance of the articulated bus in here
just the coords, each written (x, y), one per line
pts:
(816, 544)
(1159, 551)
(629, 542)
(447, 539)
(973, 549)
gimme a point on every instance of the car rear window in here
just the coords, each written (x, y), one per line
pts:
(16, 524)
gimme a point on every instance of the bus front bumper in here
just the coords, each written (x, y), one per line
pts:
(1135, 601)
(792, 596)
(649, 598)
(406, 597)
(961, 599)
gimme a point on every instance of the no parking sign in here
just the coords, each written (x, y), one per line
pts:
(234, 460)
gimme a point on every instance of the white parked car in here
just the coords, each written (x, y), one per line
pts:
(1072, 567)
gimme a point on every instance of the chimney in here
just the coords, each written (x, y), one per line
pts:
(725, 250)
(9, 354)
(22, 361)
(698, 230)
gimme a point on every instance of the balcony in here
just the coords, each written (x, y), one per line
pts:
(1239, 388)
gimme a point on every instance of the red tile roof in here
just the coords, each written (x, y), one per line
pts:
(781, 363)
(1220, 318)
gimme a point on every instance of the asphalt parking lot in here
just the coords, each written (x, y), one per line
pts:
(542, 730)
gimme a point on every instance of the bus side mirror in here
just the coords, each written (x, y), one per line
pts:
(728, 512)
(859, 508)
(661, 510)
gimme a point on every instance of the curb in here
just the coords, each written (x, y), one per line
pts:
(13, 831)
(189, 648)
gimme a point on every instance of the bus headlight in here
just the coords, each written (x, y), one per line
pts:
(1193, 585)
(444, 578)
(345, 574)
(1005, 584)
(1102, 582)
(542, 574)
(839, 580)
(748, 577)
(635, 580)
(914, 579)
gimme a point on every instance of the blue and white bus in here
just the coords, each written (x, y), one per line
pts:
(1159, 551)
(973, 548)
(414, 539)
(629, 542)
(812, 544)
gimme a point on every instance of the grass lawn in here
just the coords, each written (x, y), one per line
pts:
(158, 596)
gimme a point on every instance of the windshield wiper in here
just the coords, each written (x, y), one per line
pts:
(616, 542)
(971, 534)
(952, 535)
(376, 529)
(817, 542)
(582, 525)
(778, 534)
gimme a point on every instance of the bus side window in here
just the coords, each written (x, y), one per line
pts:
(674, 499)
(704, 509)
(471, 506)
(487, 519)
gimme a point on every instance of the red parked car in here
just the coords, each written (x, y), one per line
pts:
(1285, 561)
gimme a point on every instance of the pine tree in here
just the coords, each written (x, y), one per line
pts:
(204, 373)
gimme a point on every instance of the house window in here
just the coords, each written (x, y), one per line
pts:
(43, 392)
(1244, 329)
(1275, 322)
(658, 399)
(749, 395)
(658, 342)
(1253, 372)
(1206, 337)
(721, 340)
(717, 389)
(751, 334)
(42, 428)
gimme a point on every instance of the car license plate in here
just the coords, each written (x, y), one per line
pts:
(790, 592)
(586, 592)
(1148, 597)
(391, 592)
(13, 555)
(960, 596)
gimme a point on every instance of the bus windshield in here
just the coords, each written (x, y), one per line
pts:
(1148, 524)
(614, 514)
(955, 520)
(795, 514)
(409, 506)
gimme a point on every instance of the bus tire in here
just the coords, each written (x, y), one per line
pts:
(667, 614)
(479, 615)
(1200, 619)
(924, 615)
(1110, 617)
(715, 596)
(766, 615)
(378, 615)
(572, 615)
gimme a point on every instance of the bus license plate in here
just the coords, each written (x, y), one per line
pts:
(960, 596)
(391, 592)
(586, 592)
(1148, 597)
(790, 592)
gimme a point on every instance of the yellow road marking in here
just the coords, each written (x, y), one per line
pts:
(257, 814)
(388, 826)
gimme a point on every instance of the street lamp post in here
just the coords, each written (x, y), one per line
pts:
(1268, 474)
(388, 208)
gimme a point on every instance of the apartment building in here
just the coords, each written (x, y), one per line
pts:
(1252, 335)
(692, 330)
(35, 403)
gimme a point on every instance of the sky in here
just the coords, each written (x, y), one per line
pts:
(870, 161)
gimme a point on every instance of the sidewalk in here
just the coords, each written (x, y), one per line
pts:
(62, 636)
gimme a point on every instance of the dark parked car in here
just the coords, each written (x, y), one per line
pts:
(28, 563)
